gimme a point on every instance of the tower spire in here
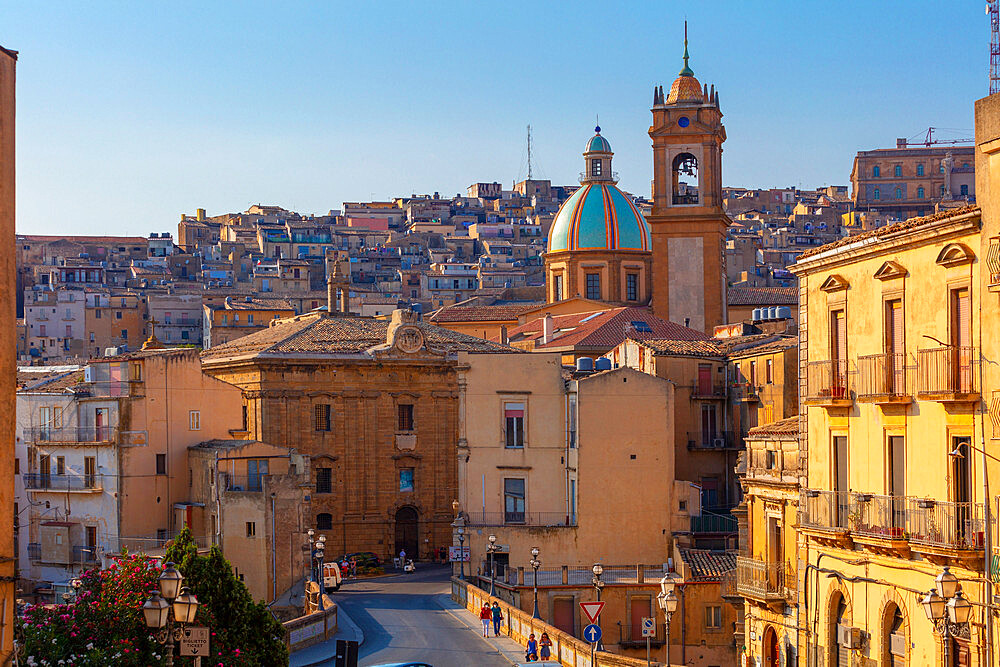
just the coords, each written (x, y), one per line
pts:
(686, 71)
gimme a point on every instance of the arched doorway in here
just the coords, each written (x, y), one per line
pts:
(407, 530)
(839, 656)
(894, 637)
(770, 647)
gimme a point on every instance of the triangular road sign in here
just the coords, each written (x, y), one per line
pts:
(592, 610)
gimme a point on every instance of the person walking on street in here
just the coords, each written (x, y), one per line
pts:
(402, 557)
(354, 567)
(546, 644)
(497, 618)
(484, 616)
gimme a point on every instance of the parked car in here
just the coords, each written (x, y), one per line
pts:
(332, 576)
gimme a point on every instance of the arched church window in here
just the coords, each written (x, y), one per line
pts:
(899, 193)
(685, 167)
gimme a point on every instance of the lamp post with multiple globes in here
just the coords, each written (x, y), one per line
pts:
(668, 603)
(461, 553)
(598, 570)
(170, 597)
(491, 549)
(947, 608)
(535, 564)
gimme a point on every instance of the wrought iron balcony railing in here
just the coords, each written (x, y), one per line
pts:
(827, 381)
(824, 509)
(760, 580)
(714, 522)
(993, 261)
(249, 483)
(882, 376)
(48, 482)
(71, 434)
(710, 439)
(878, 516)
(945, 524)
(708, 390)
(947, 371)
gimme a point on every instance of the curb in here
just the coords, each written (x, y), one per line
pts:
(342, 619)
(439, 600)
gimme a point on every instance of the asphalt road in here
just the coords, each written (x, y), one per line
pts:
(402, 621)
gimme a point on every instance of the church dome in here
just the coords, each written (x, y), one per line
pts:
(685, 87)
(598, 216)
(597, 143)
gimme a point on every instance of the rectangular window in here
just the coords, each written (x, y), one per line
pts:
(595, 167)
(97, 314)
(631, 287)
(251, 529)
(322, 411)
(405, 417)
(513, 414)
(841, 482)
(324, 480)
(405, 480)
(713, 617)
(17, 466)
(60, 465)
(89, 471)
(194, 420)
(557, 288)
(898, 171)
(753, 374)
(571, 421)
(161, 464)
(513, 500)
(920, 170)
(772, 459)
(124, 334)
(769, 371)
(593, 286)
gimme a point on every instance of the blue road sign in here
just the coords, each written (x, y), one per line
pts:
(592, 633)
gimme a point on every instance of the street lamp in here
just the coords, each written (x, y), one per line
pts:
(461, 553)
(947, 607)
(170, 597)
(598, 570)
(535, 563)
(491, 549)
(668, 603)
(312, 572)
(320, 551)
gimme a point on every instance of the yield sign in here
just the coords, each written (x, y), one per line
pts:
(592, 610)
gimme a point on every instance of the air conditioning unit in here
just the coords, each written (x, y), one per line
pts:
(719, 443)
(849, 637)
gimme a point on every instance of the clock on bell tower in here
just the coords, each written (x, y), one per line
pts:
(688, 223)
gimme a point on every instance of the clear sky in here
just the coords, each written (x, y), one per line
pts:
(132, 113)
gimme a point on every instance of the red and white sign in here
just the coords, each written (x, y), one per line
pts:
(592, 610)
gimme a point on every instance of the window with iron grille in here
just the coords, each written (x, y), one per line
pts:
(322, 417)
(405, 417)
(324, 480)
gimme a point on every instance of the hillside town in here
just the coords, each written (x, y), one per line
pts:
(752, 426)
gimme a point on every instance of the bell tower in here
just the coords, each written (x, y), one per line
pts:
(688, 223)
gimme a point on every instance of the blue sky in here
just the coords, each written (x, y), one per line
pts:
(132, 113)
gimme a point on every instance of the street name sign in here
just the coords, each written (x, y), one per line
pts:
(648, 629)
(592, 610)
(194, 641)
(592, 633)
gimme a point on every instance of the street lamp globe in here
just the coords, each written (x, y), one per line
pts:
(946, 583)
(155, 611)
(493, 539)
(666, 585)
(76, 583)
(598, 569)
(310, 533)
(670, 602)
(534, 552)
(170, 581)
(460, 531)
(322, 539)
(933, 606)
(455, 506)
(185, 606)
(959, 609)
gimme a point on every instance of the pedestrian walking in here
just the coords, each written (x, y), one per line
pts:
(545, 643)
(485, 615)
(497, 613)
(402, 558)
(531, 651)
(354, 567)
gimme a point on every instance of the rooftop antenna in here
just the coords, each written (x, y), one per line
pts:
(993, 9)
(529, 152)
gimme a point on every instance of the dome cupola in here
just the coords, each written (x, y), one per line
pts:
(685, 87)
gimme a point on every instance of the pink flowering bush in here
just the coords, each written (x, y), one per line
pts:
(103, 625)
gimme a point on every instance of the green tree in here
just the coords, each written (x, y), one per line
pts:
(244, 632)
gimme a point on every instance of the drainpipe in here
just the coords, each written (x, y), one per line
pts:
(274, 577)
(988, 533)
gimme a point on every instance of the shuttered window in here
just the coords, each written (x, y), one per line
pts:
(323, 480)
(896, 362)
(838, 335)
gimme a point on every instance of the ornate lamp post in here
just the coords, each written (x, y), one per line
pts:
(947, 608)
(598, 570)
(157, 608)
(461, 553)
(535, 564)
(320, 552)
(491, 549)
(312, 545)
(668, 603)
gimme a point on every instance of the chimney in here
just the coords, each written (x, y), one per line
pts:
(504, 340)
(331, 293)
(546, 328)
(201, 215)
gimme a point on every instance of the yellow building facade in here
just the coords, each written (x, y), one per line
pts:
(898, 407)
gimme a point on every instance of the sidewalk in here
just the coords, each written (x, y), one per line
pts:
(326, 651)
(505, 646)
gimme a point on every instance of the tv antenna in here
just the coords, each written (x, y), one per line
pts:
(529, 153)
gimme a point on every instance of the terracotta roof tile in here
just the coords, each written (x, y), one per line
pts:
(317, 333)
(784, 427)
(911, 223)
(769, 296)
(493, 313)
(603, 329)
(708, 565)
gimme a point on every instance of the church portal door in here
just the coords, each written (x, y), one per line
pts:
(407, 524)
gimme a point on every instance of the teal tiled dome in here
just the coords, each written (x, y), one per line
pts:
(598, 216)
(597, 143)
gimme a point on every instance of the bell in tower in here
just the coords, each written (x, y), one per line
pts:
(688, 223)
